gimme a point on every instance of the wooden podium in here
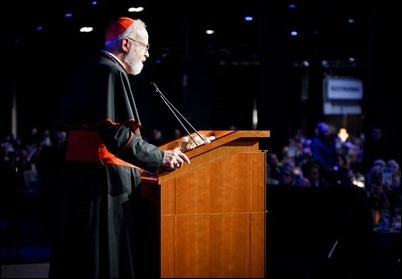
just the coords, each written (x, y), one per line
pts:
(208, 217)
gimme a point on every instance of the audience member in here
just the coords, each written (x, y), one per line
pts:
(375, 147)
(312, 172)
(394, 194)
(378, 194)
(324, 151)
(273, 165)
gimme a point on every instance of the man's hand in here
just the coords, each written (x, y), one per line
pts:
(174, 159)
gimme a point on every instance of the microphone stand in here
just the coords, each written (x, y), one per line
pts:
(176, 114)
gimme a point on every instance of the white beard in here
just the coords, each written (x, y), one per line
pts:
(136, 67)
(135, 64)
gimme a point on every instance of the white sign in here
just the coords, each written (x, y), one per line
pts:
(344, 88)
(330, 108)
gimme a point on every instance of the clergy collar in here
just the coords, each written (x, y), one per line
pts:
(114, 57)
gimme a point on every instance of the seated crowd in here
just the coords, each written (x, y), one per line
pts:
(325, 160)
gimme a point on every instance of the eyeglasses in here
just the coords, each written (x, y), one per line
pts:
(146, 46)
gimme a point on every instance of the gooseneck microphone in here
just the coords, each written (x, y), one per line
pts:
(179, 116)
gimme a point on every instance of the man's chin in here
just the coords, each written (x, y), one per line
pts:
(137, 69)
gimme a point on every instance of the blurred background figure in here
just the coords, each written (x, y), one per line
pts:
(324, 151)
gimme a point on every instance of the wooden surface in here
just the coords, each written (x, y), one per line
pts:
(212, 212)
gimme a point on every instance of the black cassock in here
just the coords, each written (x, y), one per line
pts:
(95, 232)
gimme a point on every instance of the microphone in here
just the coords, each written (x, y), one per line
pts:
(178, 115)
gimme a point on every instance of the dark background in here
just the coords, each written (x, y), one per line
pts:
(214, 80)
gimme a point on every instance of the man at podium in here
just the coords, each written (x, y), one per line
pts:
(96, 233)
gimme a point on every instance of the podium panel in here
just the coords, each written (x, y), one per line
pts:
(209, 216)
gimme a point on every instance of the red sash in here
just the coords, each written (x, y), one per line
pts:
(86, 146)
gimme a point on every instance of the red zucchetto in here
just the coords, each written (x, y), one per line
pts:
(117, 27)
